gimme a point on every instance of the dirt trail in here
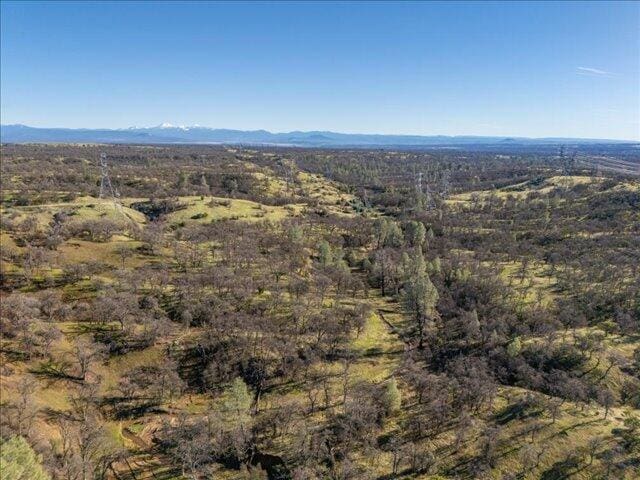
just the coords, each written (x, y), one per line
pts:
(139, 442)
(394, 330)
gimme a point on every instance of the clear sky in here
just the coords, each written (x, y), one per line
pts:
(526, 69)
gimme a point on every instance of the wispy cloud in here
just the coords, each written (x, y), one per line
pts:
(593, 72)
(491, 126)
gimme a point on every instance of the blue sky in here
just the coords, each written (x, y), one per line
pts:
(528, 69)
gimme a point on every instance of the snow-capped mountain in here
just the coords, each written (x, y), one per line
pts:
(169, 133)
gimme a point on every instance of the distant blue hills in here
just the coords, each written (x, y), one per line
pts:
(168, 134)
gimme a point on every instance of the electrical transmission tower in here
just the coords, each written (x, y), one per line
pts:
(423, 195)
(446, 183)
(572, 161)
(428, 198)
(569, 164)
(561, 153)
(290, 178)
(106, 187)
(419, 183)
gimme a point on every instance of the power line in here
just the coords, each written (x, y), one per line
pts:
(446, 183)
(106, 186)
(419, 183)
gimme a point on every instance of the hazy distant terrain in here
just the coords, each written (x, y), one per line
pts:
(166, 133)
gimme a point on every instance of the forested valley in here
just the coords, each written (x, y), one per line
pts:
(218, 312)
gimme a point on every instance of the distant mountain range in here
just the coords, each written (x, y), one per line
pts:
(167, 133)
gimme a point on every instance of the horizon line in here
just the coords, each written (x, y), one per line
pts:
(168, 126)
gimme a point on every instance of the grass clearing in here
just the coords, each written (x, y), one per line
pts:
(208, 209)
(379, 351)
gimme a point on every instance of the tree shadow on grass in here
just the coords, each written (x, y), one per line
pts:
(14, 355)
(124, 408)
(563, 469)
(516, 411)
(53, 370)
(142, 465)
